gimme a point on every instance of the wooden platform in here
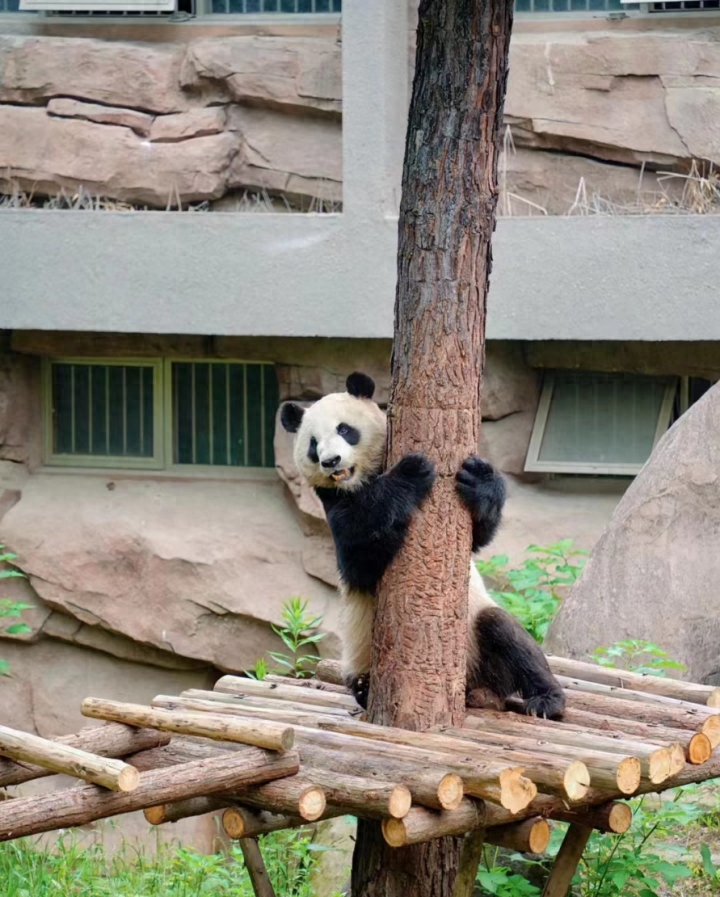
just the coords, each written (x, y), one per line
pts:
(283, 752)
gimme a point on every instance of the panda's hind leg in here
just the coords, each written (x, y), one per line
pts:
(509, 662)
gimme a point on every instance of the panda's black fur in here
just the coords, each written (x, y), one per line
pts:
(340, 449)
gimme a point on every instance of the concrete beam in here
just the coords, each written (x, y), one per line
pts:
(634, 278)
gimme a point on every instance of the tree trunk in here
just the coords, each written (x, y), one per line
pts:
(447, 216)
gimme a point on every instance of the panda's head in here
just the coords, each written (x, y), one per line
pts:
(340, 440)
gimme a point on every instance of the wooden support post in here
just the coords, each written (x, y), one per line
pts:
(112, 774)
(567, 860)
(264, 734)
(255, 866)
(470, 857)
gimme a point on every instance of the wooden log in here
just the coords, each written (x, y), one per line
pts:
(237, 685)
(470, 857)
(295, 796)
(425, 825)
(184, 809)
(695, 719)
(307, 683)
(362, 796)
(656, 764)
(111, 740)
(429, 786)
(228, 705)
(330, 671)
(268, 734)
(255, 866)
(259, 703)
(614, 816)
(80, 806)
(626, 694)
(529, 836)
(25, 748)
(659, 685)
(606, 733)
(566, 862)
(245, 822)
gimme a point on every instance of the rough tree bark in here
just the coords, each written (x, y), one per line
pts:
(447, 216)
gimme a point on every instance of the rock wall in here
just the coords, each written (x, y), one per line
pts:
(208, 120)
(160, 123)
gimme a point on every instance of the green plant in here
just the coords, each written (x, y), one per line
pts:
(629, 864)
(296, 632)
(533, 592)
(709, 867)
(10, 609)
(636, 656)
(503, 882)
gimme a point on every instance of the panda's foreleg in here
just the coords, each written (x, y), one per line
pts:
(482, 489)
(505, 661)
(357, 622)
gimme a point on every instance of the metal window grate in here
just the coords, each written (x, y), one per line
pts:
(598, 422)
(685, 6)
(285, 7)
(103, 410)
(551, 6)
(9, 6)
(223, 413)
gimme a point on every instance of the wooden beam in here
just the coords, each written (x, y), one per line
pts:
(470, 857)
(255, 866)
(110, 740)
(529, 836)
(26, 748)
(566, 862)
(264, 734)
(80, 806)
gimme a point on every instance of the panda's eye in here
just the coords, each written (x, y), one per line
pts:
(343, 429)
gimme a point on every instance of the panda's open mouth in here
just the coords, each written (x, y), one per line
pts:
(342, 476)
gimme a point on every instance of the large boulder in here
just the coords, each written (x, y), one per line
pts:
(655, 573)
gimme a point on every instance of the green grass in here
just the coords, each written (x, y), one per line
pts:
(72, 870)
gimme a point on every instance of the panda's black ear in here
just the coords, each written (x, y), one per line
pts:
(291, 416)
(360, 385)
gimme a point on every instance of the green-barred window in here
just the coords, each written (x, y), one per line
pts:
(155, 414)
(223, 413)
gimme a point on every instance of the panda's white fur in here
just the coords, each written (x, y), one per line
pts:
(339, 449)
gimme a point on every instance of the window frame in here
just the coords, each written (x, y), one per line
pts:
(56, 459)
(533, 464)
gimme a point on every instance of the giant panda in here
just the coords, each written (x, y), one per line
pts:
(339, 449)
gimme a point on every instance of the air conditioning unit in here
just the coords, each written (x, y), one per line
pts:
(120, 7)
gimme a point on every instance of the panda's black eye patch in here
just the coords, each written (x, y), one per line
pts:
(349, 434)
(312, 451)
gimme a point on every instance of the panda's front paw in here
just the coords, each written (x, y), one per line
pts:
(480, 487)
(360, 687)
(418, 470)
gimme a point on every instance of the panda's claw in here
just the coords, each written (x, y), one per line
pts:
(417, 470)
(360, 687)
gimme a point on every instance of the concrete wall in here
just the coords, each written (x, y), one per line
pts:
(601, 278)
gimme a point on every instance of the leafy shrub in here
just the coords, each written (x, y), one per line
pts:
(10, 609)
(635, 655)
(533, 592)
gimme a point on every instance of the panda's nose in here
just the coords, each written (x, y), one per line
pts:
(331, 462)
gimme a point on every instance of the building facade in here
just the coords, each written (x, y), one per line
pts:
(198, 219)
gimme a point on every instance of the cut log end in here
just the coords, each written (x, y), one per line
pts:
(155, 815)
(629, 775)
(312, 803)
(287, 739)
(516, 791)
(699, 749)
(399, 802)
(450, 791)
(129, 779)
(714, 699)
(232, 822)
(619, 818)
(539, 837)
(659, 765)
(678, 761)
(711, 728)
(576, 780)
(394, 832)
